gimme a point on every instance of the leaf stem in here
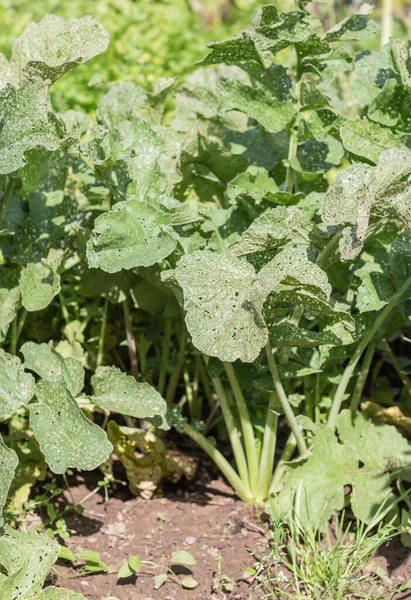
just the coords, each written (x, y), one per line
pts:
(246, 426)
(288, 411)
(165, 355)
(286, 455)
(268, 451)
(232, 430)
(361, 379)
(175, 376)
(131, 342)
(239, 485)
(349, 370)
(101, 340)
(293, 143)
(11, 182)
(386, 22)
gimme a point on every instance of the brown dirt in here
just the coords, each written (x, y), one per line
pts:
(205, 519)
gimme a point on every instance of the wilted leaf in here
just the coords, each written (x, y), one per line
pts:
(66, 437)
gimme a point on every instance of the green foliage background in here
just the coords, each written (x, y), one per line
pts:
(149, 39)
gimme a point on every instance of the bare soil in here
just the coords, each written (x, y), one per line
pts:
(204, 518)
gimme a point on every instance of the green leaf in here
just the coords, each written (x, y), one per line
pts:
(66, 437)
(26, 558)
(53, 593)
(272, 229)
(9, 306)
(224, 298)
(121, 393)
(8, 465)
(51, 366)
(39, 283)
(254, 183)
(367, 139)
(188, 582)
(256, 103)
(66, 554)
(27, 121)
(160, 580)
(385, 108)
(317, 484)
(311, 97)
(356, 27)
(16, 387)
(361, 191)
(47, 50)
(401, 53)
(289, 335)
(231, 52)
(381, 449)
(124, 572)
(133, 234)
(182, 557)
(134, 563)
(376, 288)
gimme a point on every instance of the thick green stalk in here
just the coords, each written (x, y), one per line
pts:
(246, 426)
(286, 455)
(100, 354)
(386, 22)
(361, 379)
(13, 340)
(165, 354)
(232, 430)
(131, 342)
(349, 370)
(175, 376)
(238, 485)
(288, 411)
(268, 450)
(11, 181)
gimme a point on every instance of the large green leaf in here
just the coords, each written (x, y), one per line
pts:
(8, 465)
(16, 387)
(380, 449)
(53, 593)
(66, 437)
(133, 234)
(224, 298)
(26, 559)
(355, 27)
(51, 366)
(367, 139)
(272, 229)
(289, 335)
(256, 103)
(121, 393)
(362, 192)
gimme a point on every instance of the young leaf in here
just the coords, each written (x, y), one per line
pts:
(134, 563)
(131, 235)
(66, 437)
(182, 557)
(189, 583)
(160, 580)
(51, 366)
(121, 393)
(16, 387)
(124, 572)
(8, 464)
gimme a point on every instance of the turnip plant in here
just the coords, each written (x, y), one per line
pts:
(248, 229)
